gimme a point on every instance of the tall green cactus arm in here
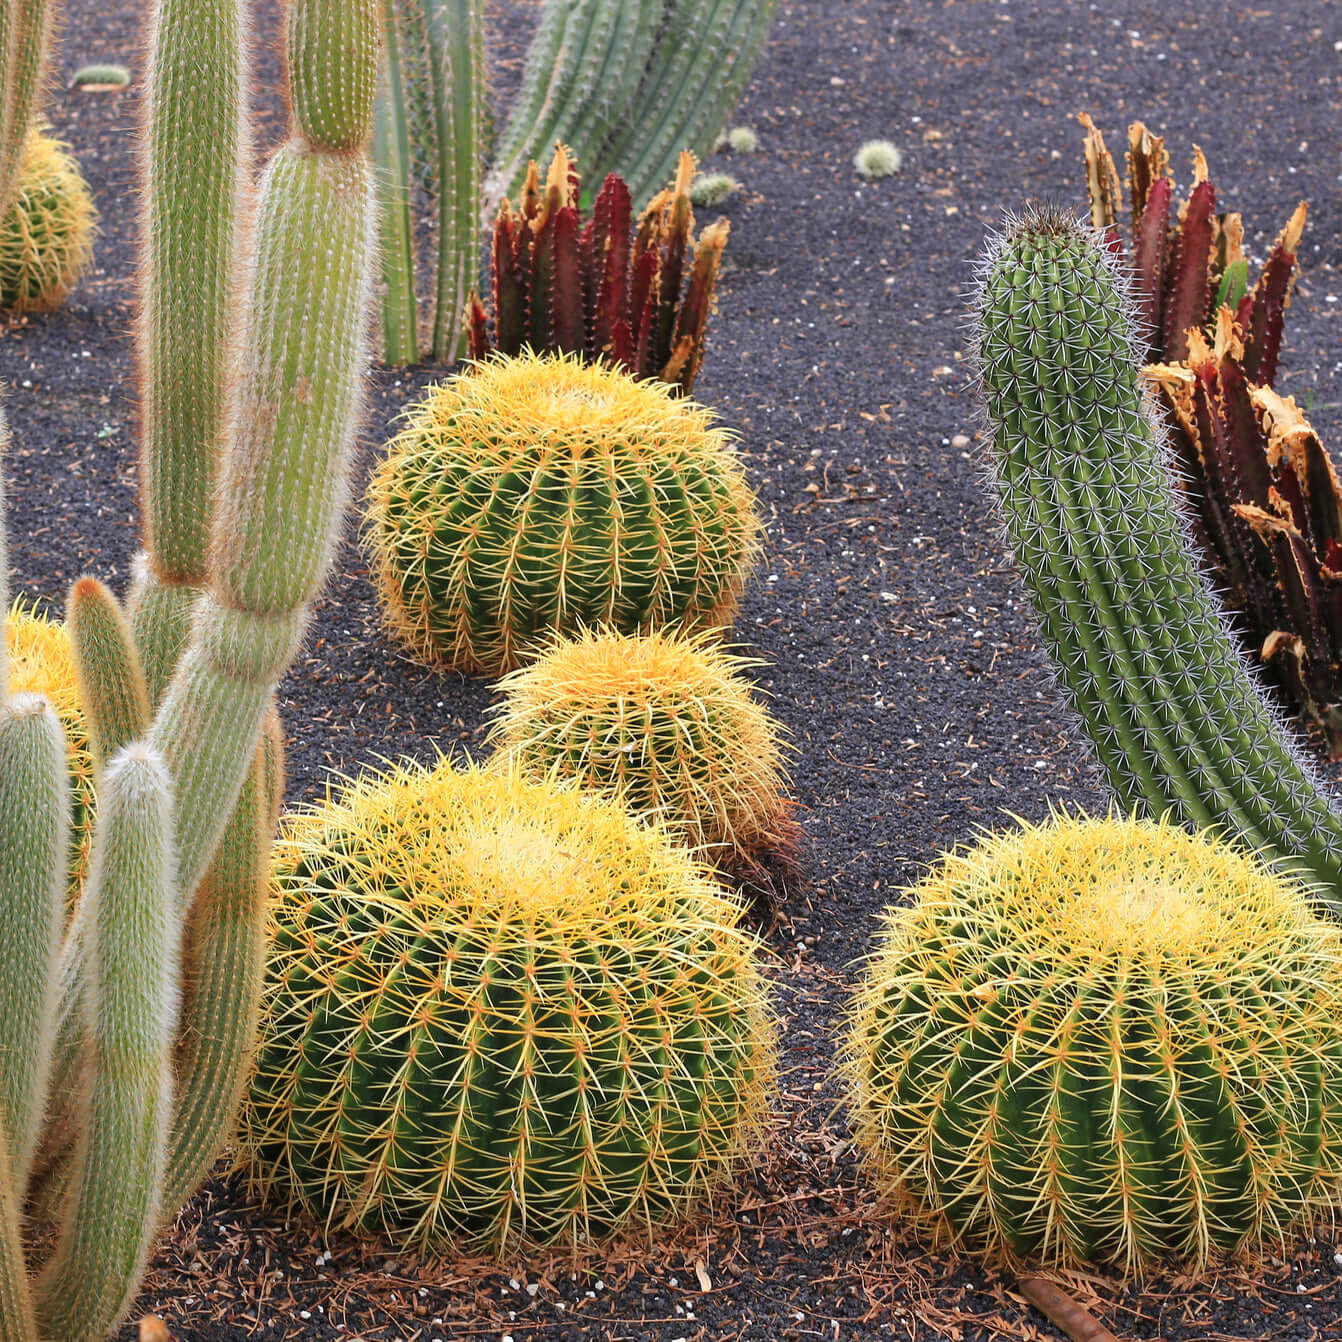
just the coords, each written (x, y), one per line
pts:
(1133, 630)
(131, 956)
(17, 1316)
(112, 688)
(283, 487)
(391, 153)
(192, 224)
(583, 68)
(225, 960)
(34, 849)
(25, 31)
(455, 40)
(699, 68)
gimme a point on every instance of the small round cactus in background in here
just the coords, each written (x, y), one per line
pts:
(100, 77)
(710, 188)
(500, 1012)
(41, 661)
(742, 140)
(877, 158)
(1102, 1040)
(667, 722)
(46, 238)
(540, 494)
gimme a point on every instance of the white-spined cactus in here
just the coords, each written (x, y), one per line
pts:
(124, 1039)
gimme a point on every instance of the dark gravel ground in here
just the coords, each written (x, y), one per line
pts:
(903, 654)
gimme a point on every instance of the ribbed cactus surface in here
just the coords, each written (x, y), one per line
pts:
(668, 722)
(1102, 1040)
(46, 236)
(500, 1011)
(1136, 636)
(541, 494)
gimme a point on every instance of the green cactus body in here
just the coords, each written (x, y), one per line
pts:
(500, 1012)
(1102, 1041)
(539, 494)
(667, 721)
(698, 70)
(46, 236)
(1133, 631)
(25, 32)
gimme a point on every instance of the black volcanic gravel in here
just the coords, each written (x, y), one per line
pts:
(902, 651)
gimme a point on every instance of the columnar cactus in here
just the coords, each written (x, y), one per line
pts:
(1135, 635)
(540, 494)
(1103, 1040)
(25, 32)
(667, 721)
(142, 1014)
(500, 1012)
(46, 236)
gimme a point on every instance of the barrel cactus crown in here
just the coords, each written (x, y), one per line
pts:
(1102, 1040)
(46, 237)
(667, 721)
(41, 661)
(500, 1012)
(540, 494)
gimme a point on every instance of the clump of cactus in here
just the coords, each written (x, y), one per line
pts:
(877, 158)
(42, 662)
(711, 188)
(500, 1012)
(628, 86)
(125, 1031)
(1264, 500)
(536, 495)
(1102, 1040)
(667, 722)
(560, 285)
(742, 140)
(1134, 632)
(46, 235)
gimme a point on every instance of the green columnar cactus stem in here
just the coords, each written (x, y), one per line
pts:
(455, 35)
(225, 955)
(391, 153)
(193, 229)
(34, 848)
(130, 953)
(583, 69)
(699, 68)
(1136, 637)
(112, 690)
(18, 1319)
(25, 31)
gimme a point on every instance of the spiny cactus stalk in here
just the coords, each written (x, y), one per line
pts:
(711, 188)
(41, 662)
(561, 286)
(1134, 633)
(1102, 1040)
(25, 33)
(702, 59)
(46, 236)
(143, 1013)
(540, 494)
(1262, 529)
(668, 723)
(500, 1012)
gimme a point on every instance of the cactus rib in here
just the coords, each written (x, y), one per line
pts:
(1136, 637)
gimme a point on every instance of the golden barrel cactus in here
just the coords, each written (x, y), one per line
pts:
(539, 494)
(1108, 1040)
(500, 1011)
(668, 722)
(46, 236)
